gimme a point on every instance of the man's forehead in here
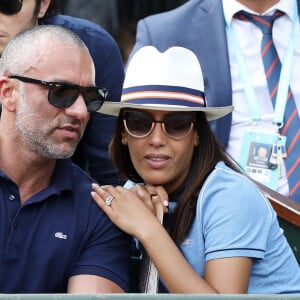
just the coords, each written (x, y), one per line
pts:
(66, 64)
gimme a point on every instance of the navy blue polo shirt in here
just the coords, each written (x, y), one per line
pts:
(59, 232)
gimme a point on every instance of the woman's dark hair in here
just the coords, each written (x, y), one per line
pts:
(53, 9)
(206, 155)
(119, 153)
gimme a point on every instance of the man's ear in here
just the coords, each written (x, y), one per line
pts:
(8, 94)
(43, 8)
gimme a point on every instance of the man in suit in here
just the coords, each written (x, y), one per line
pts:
(201, 26)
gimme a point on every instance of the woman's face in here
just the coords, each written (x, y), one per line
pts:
(158, 158)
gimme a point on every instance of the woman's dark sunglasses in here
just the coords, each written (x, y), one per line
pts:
(64, 95)
(140, 124)
(10, 7)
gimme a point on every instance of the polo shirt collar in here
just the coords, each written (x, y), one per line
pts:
(61, 181)
(62, 175)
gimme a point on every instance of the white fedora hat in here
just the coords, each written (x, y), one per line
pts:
(168, 81)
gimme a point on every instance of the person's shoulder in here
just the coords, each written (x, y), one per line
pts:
(177, 23)
(81, 185)
(225, 187)
(225, 180)
(229, 177)
(81, 175)
(97, 39)
(183, 11)
(80, 26)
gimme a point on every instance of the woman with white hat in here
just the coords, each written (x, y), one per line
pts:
(220, 234)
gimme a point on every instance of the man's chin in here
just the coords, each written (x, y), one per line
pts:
(62, 153)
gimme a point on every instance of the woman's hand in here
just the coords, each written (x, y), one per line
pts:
(131, 210)
(131, 214)
(150, 194)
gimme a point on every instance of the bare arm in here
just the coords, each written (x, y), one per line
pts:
(227, 275)
(92, 284)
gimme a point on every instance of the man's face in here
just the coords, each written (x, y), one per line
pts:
(10, 25)
(44, 129)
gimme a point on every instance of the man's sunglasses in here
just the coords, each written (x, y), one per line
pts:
(140, 124)
(10, 7)
(64, 95)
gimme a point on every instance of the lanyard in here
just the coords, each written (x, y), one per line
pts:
(284, 79)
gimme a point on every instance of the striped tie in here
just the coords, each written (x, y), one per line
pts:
(291, 128)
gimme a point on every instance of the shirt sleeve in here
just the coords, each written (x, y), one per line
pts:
(236, 217)
(106, 252)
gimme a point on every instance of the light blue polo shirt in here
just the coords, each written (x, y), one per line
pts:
(233, 219)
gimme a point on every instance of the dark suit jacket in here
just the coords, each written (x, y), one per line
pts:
(198, 25)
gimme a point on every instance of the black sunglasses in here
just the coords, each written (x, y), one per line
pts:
(140, 124)
(10, 7)
(64, 95)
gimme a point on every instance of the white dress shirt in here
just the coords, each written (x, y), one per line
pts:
(249, 37)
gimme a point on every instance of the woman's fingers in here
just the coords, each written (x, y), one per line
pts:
(101, 196)
(157, 203)
(147, 192)
(144, 195)
(124, 208)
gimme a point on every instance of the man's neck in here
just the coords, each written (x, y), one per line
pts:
(31, 176)
(260, 6)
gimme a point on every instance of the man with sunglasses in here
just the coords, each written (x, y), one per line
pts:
(53, 237)
(91, 153)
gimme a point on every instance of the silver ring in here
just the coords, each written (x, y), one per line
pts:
(109, 200)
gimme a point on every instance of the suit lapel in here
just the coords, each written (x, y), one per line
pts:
(211, 47)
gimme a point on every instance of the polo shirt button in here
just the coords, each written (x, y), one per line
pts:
(11, 197)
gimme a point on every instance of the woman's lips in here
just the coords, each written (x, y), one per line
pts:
(157, 161)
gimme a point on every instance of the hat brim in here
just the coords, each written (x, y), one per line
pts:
(212, 113)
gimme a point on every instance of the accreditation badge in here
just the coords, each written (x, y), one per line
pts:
(261, 156)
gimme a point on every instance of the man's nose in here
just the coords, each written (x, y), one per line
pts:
(78, 109)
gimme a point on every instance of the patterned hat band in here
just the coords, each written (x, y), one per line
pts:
(169, 81)
(163, 95)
